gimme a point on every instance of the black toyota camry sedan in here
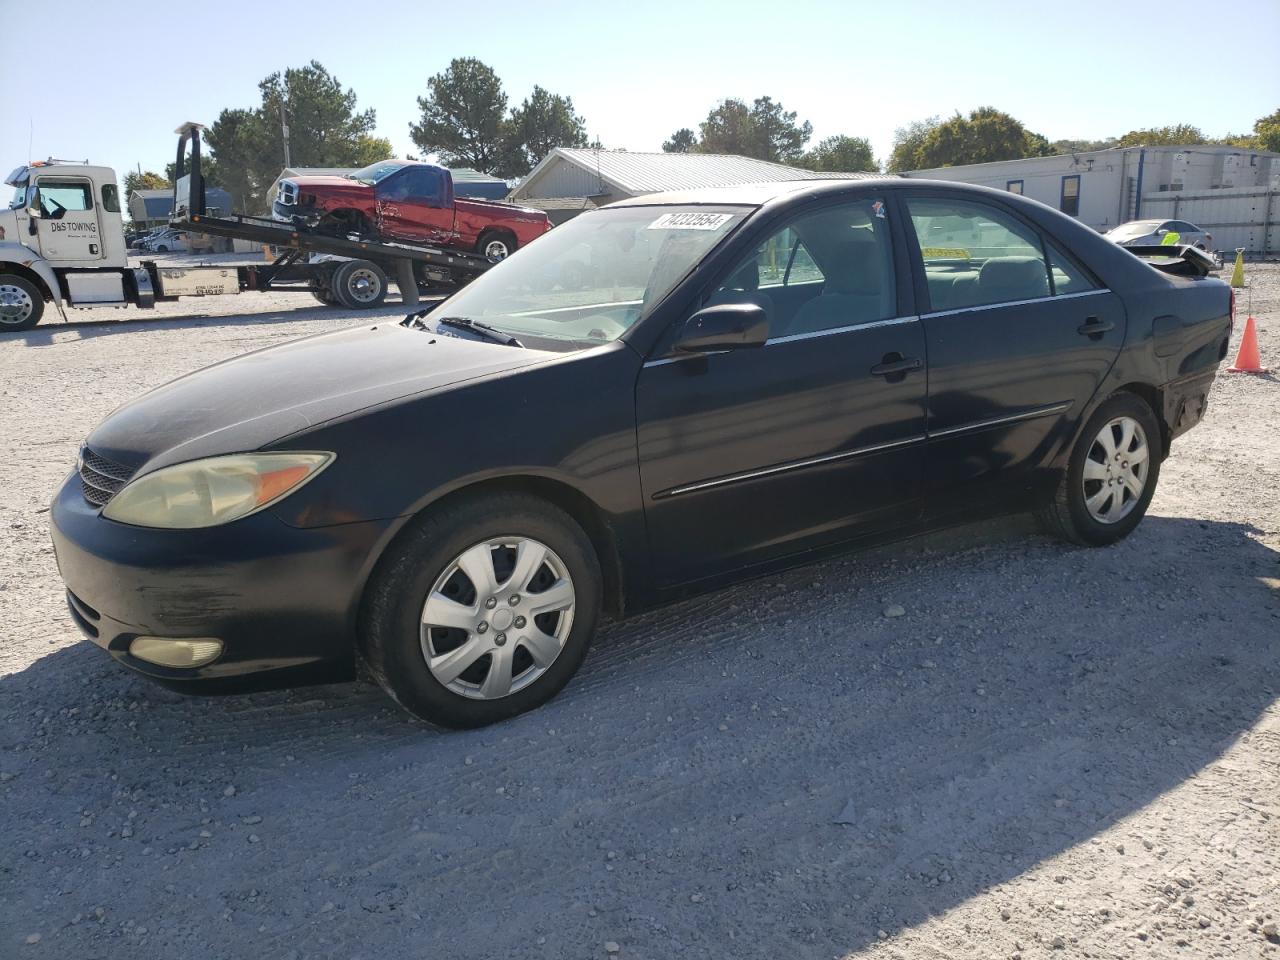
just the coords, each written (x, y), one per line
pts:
(656, 398)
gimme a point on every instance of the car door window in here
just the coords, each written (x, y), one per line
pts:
(823, 271)
(1066, 277)
(976, 255)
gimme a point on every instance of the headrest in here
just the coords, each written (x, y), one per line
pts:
(856, 268)
(1025, 276)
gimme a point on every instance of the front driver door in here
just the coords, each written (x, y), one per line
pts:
(413, 205)
(751, 455)
(67, 225)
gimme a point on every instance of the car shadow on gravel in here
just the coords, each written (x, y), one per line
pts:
(779, 765)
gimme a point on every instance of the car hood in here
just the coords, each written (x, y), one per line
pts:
(257, 399)
(328, 184)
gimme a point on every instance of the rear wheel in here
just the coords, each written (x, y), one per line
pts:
(1111, 476)
(483, 611)
(323, 292)
(496, 244)
(359, 285)
(21, 303)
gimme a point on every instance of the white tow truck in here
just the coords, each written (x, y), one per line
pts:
(62, 243)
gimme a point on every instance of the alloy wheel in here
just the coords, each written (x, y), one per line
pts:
(1115, 470)
(497, 618)
(16, 304)
(496, 250)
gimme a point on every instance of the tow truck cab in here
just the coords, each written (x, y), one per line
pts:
(63, 231)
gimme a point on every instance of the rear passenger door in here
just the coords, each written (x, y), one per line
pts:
(1019, 336)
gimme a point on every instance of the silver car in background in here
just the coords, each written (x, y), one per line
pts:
(1138, 233)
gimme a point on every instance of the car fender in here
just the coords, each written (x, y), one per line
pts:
(24, 261)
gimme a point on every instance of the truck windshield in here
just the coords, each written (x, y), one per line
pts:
(376, 171)
(587, 281)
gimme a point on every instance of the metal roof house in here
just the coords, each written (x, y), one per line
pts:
(1228, 191)
(569, 180)
(151, 208)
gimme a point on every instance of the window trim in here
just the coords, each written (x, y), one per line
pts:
(1008, 187)
(1062, 194)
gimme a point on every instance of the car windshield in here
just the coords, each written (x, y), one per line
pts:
(1138, 228)
(587, 281)
(376, 171)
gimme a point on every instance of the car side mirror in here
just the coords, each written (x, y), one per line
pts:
(724, 326)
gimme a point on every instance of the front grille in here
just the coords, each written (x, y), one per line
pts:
(100, 478)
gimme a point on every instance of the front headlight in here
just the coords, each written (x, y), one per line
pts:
(206, 493)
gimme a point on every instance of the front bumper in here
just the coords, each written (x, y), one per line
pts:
(298, 216)
(283, 600)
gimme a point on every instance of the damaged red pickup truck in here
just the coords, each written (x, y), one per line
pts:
(413, 202)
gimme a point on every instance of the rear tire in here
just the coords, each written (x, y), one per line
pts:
(422, 580)
(359, 285)
(1111, 476)
(496, 244)
(21, 303)
(323, 293)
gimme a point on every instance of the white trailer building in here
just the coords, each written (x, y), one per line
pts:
(1230, 192)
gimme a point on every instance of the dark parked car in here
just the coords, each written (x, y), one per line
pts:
(729, 381)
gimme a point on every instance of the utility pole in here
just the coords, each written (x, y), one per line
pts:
(284, 130)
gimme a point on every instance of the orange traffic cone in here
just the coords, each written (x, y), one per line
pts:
(1248, 360)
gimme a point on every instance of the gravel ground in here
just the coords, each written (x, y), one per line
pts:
(1051, 752)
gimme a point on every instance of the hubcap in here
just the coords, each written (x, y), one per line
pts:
(496, 250)
(497, 618)
(1115, 470)
(15, 304)
(364, 285)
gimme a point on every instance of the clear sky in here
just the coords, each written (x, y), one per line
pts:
(111, 81)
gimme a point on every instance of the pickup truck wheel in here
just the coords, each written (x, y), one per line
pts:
(21, 304)
(496, 244)
(481, 611)
(359, 285)
(1111, 476)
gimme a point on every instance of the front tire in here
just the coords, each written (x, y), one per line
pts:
(482, 611)
(21, 303)
(1111, 476)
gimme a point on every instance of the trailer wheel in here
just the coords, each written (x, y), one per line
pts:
(496, 244)
(21, 303)
(359, 285)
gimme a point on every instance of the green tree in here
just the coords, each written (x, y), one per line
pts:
(1267, 132)
(907, 142)
(841, 154)
(1182, 134)
(683, 140)
(541, 123)
(463, 116)
(765, 130)
(986, 135)
(133, 180)
(1082, 146)
(325, 130)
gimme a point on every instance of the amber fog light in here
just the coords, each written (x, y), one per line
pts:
(176, 653)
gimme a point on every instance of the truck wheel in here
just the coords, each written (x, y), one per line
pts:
(21, 303)
(496, 244)
(359, 285)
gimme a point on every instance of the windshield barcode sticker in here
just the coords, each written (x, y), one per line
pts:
(691, 221)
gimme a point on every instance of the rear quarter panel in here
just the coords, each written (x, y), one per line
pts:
(475, 216)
